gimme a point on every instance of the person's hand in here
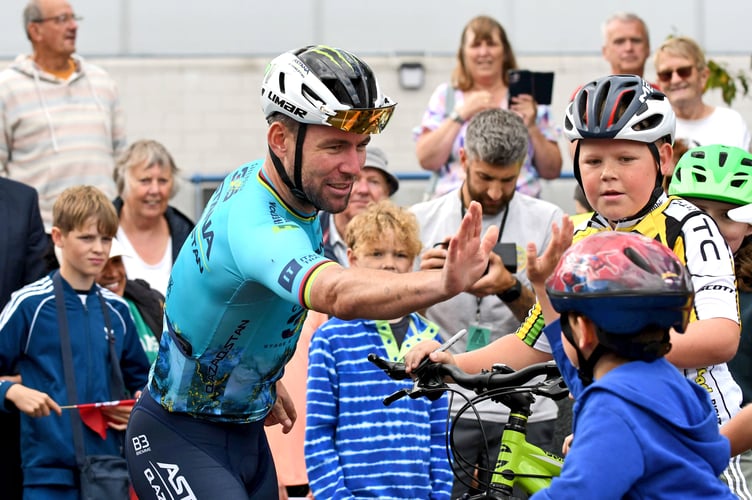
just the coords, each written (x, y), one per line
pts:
(117, 416)
(32, 402)
(415, 356)
(567, 444)
(16, 379)
(474, 102)
(526, 107)
(540, 268)
(434, 257)
(283, 412)
(467, 254)
(496, 280)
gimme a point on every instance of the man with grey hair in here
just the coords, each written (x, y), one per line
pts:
(61, 123)
(626, 44)
(492, 157)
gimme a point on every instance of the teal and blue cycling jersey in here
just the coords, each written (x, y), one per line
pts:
(236, 302)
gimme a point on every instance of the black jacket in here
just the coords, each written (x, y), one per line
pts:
(148, 301)
(23, 243)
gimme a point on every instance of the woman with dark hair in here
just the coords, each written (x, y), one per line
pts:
(480, 81)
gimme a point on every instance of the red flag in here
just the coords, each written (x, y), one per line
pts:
(92, 416)
(94, 420)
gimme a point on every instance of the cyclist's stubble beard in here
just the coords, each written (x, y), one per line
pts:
(314, 189)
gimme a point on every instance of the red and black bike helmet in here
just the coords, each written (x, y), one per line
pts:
(619, 107)
(623, 282)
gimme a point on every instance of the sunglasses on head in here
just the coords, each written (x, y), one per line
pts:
(683, 72)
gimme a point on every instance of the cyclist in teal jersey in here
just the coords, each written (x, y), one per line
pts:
(252, 267)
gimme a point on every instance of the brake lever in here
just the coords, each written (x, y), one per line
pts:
(395, 371)
(554, 388)
(394, 397)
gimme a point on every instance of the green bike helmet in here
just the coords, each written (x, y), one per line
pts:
(716, 172)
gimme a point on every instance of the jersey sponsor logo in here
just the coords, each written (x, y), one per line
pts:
(202, 252)
(288, 274)
(701, 380)
(140, 444)
(708, 248)
(294, 323)
(236, 182)
(308, 259)
(167, 482)
(276, 218)
(222, 354)
(718, 288)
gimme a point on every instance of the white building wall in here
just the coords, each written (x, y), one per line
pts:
(189, 70)
(207, 112)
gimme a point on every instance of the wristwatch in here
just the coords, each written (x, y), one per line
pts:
(455, 116)
(511, 294)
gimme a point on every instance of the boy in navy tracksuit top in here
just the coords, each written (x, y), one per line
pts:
(84, 224)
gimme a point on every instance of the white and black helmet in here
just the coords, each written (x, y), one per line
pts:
(620, 107)
(321, 85)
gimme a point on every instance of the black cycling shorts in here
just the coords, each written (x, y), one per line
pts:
(175, 455)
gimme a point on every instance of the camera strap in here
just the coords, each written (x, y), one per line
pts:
(502, 224)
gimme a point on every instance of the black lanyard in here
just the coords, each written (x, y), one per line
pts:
(502, 224)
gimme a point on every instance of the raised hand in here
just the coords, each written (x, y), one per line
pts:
(540, 268)
(467, 254)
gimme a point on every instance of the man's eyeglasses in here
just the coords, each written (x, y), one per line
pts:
(61, 19)
(683, 72)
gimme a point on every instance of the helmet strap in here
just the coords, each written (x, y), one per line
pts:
(576, 164)
(657, 157)
(657, 191)
(295, 188)
(586, 365)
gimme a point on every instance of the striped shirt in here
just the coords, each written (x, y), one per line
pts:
(356, 447)
(59, 133)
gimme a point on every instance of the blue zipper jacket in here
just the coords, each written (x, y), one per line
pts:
(641, 431)
(30, 345)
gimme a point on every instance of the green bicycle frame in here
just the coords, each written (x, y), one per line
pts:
(522, 463)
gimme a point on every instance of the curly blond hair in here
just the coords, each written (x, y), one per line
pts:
(370, 225)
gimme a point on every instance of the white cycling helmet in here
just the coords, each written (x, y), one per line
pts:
(620, 107)
(322, 85)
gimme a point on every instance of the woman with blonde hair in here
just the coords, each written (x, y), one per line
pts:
(151, 230)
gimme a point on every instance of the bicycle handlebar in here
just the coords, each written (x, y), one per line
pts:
(429, 379)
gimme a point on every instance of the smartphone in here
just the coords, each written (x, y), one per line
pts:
(520, 82)
(508, 254)
(535, 83)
